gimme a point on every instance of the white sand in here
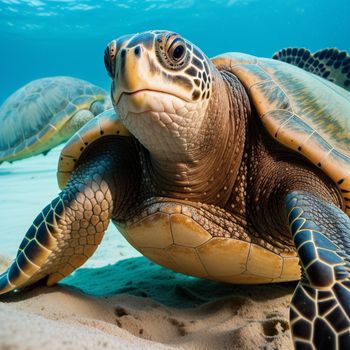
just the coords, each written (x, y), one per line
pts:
(131, 304)
(170, 310)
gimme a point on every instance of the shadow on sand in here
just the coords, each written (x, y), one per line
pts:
(140, 277)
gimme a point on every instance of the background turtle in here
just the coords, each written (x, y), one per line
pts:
(45, 113)
(331, 64)
(234, 169)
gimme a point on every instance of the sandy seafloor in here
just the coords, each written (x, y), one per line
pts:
(120, 300)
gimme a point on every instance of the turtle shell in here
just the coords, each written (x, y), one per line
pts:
(302, 111)
(33, 117)
(105, 124)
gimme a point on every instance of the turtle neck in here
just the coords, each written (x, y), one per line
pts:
(215, 158)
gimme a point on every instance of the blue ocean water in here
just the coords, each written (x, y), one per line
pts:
(67, 37)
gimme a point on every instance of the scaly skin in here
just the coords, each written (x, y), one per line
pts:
(67, 231)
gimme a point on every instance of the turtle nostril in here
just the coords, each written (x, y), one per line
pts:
(137, 51)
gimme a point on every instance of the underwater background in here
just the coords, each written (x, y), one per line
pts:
(67, 37)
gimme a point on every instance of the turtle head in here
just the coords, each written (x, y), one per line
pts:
(161, 86)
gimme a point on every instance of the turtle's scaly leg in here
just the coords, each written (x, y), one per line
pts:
(320, 307)
(67, 231)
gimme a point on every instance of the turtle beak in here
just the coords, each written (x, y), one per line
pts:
(123, 68)
(132, 72)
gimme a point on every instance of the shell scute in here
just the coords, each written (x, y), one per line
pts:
(105, 124)
(233, 256)
(187, 261)
(253, 73)
(187, 232)
(151, 232)
(291, 130)
(290, 270)
(275, 99)
(159, 256)
(261, 260)
(88, 131)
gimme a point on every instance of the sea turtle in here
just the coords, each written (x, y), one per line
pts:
(45, 113)
(235, 169)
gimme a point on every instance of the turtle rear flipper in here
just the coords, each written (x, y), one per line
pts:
(320, 307)
(331, 64)
(67, 231)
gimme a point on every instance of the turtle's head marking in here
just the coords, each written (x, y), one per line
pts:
(163, 78)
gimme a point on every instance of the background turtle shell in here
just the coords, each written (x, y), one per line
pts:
(302, 111)
(33, 116)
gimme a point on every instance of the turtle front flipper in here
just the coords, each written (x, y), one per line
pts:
(67, 231)
(320, 307)
(331, 64)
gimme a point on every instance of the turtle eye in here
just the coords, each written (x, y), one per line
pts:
(172, 51)
(177, 50)
(109, 58)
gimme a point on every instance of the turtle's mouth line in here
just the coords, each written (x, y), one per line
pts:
(148, 90)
